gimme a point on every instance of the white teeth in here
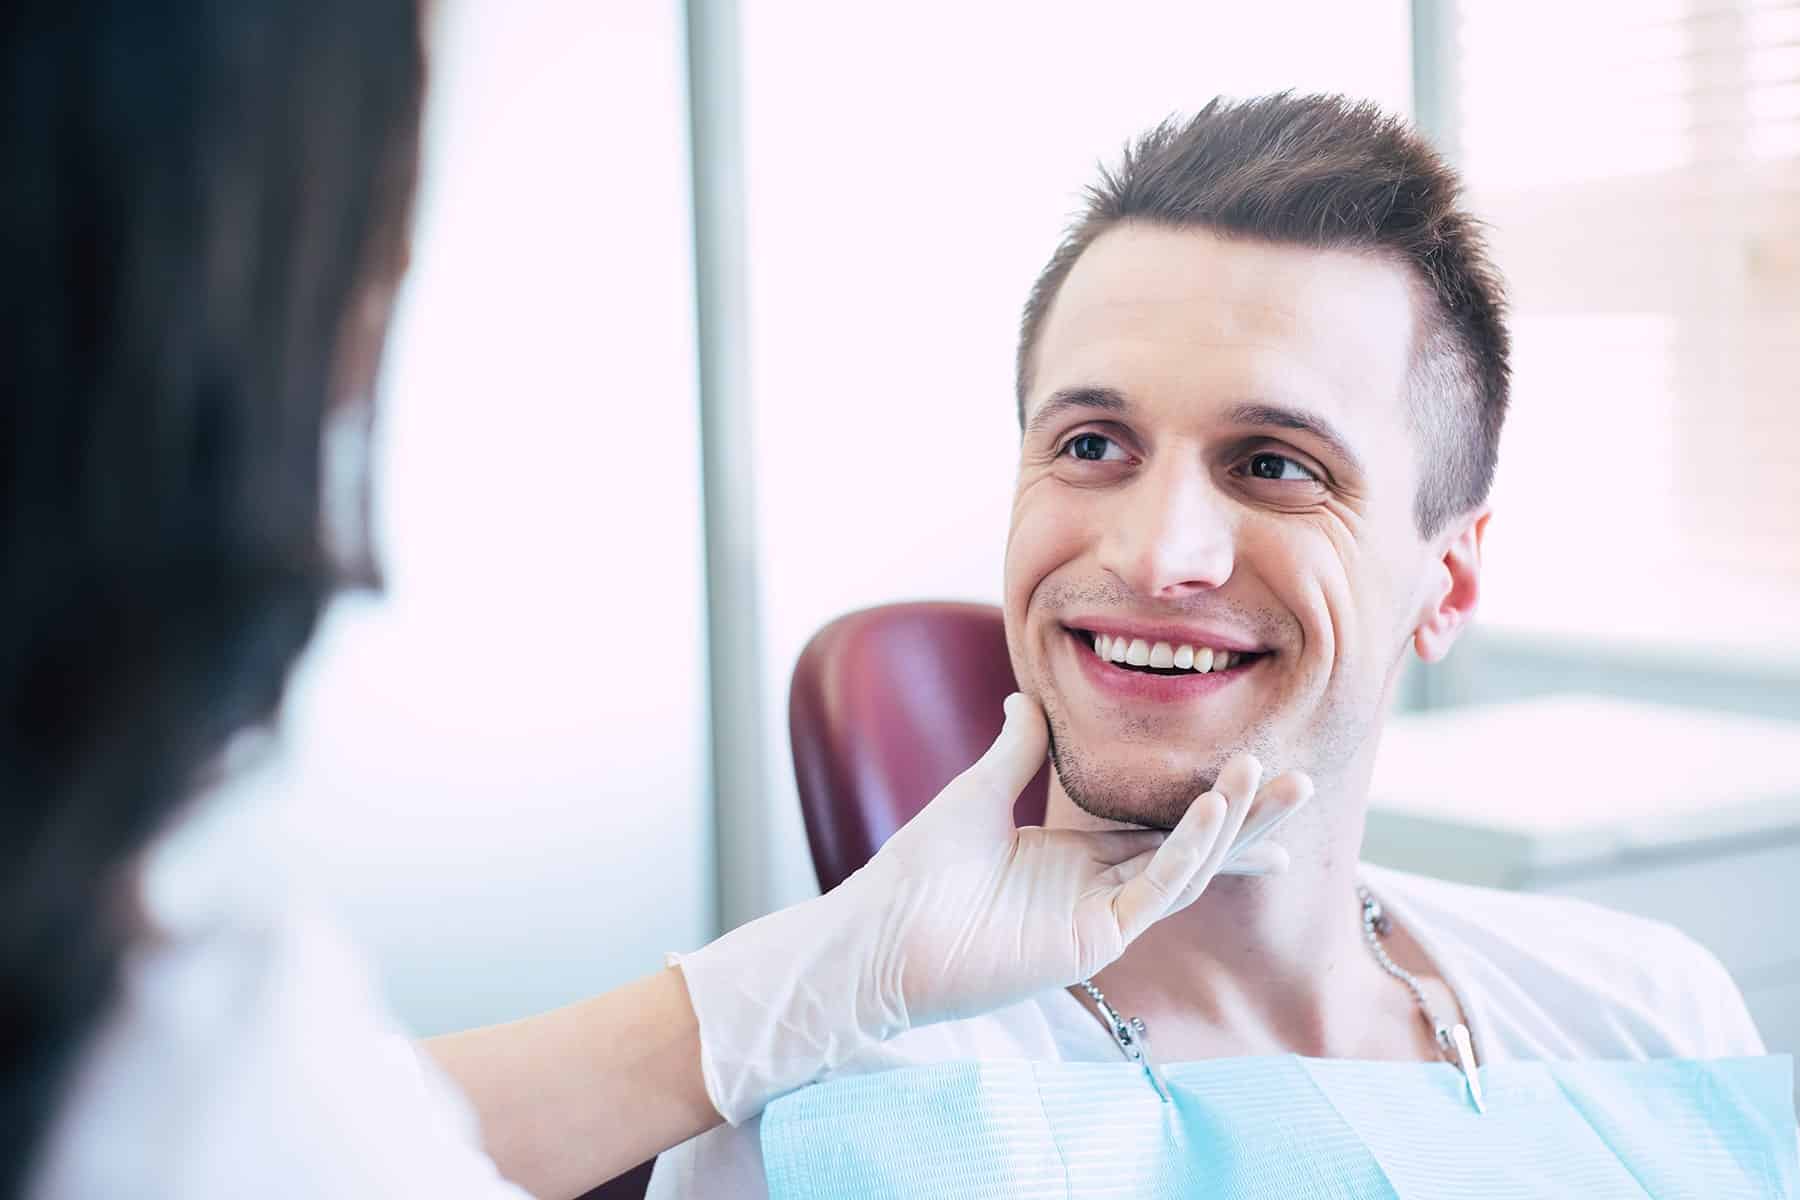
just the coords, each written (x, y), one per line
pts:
(1163, 656)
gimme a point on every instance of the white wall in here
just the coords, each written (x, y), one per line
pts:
(500, 764)
(909, 170)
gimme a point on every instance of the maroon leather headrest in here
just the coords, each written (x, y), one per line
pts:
(888, 705)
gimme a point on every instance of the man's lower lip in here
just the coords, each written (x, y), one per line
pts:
(1143, 685)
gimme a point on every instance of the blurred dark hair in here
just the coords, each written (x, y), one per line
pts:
(1333, 173)
(203, 203)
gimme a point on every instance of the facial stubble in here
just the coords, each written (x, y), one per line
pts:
(1159, 800)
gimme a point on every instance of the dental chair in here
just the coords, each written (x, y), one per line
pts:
(630, 1186)
(887, 706)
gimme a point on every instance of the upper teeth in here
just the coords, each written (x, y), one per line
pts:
(1137, 652)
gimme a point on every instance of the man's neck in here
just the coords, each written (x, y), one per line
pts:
(1261, 964)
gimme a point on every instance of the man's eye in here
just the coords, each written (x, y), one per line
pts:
(1279, 467)
(1091, 447)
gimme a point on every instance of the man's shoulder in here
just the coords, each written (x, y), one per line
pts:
(1622, 983)
(1534, 922)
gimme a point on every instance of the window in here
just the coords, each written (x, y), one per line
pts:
(1639, 163)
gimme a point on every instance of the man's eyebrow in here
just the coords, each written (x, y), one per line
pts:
(1281, 417)
(1103, 399)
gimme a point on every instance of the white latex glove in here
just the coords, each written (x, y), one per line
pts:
(960, 913)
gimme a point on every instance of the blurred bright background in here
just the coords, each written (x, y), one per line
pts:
(555, 747)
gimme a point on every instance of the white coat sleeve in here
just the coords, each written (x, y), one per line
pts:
(258, 1061)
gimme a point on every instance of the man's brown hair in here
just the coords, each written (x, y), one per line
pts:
(1332, 173)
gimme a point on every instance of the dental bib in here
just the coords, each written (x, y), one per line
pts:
(1293, 1128)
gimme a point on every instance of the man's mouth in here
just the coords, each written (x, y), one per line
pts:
(1164, 658)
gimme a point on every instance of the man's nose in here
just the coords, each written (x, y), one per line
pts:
(1172, 535)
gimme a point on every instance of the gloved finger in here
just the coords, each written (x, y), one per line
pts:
(1264, 858)
(1151, 895)
(1144, 897)
(1268, 859)
(1239, 779)
(1237, 782)
(1249, 854)
(998, 776)
(1278, 800)
(1236, 787)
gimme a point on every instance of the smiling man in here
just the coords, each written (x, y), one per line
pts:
(1261, 386)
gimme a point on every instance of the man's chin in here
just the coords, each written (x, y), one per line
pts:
(1141, 776)
(1126, 790)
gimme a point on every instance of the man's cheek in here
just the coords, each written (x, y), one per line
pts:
(1034, 552)
(1019, 582)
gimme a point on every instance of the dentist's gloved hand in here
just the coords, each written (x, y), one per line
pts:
(961, 912)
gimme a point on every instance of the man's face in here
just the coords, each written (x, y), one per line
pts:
(1217, 455)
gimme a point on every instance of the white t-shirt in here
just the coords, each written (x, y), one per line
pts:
(1538, 977)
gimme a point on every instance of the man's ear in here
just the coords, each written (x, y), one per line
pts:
(1454, 591)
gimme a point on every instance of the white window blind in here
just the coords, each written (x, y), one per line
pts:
(1639, 164)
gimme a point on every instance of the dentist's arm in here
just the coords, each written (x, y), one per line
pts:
(960, 913)
(571, 1098)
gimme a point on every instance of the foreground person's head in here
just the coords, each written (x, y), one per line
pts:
(1261, 385)
(205, 212)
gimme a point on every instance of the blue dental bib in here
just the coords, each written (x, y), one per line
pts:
(1293, 1128)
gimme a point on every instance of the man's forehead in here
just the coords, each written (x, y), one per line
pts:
(1153, 310)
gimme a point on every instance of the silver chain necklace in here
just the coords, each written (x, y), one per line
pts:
(1453, 1042)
